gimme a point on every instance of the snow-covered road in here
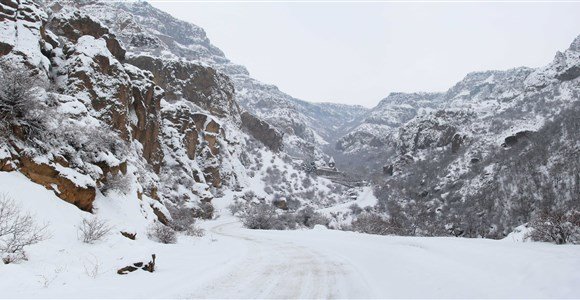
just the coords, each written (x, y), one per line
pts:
(275, 268)
(323, 263)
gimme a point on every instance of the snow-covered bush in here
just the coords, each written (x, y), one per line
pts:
(236, 207)
(205, 211)
(117, 182)
(93, 229)
(17, 230)
(373, 223)
(20, 107)
(183, 220)
(556, 227)
(308, 217)
(266, 216)
(163, 234)
(88, 141)
(260, 216)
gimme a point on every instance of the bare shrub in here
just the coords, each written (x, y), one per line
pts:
(195, 230)
(93, 229)
(556, 227)
(20, 107)
(373, 223)
(260, 216)
(92, 267)
(163, 234)
(355, 209)
(236, 207)
(17, 230)
(183, 220)
(309, 217)
(205, 211)
(116, 182)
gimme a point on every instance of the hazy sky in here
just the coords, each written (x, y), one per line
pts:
(358, 53)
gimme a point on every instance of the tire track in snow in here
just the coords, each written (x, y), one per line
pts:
(279, 270)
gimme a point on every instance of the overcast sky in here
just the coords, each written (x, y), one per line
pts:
(358, 53)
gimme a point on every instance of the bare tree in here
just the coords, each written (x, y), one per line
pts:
(17, 230)
(93, 229)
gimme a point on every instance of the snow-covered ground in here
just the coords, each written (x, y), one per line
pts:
(232, 262)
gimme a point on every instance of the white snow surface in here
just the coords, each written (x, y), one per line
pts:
(232, 262)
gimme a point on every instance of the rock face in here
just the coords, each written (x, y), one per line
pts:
(51, 178)
(146, 31)
(203, 86)
(110, 112)
(263, 132)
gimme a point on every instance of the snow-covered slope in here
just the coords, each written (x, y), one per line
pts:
(232, 262)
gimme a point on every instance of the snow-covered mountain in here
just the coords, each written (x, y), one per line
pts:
(147, 31)
(125, 95)
(124, 134)
(495, 150)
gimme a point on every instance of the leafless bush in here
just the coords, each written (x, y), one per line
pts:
(373, 223)
(92, 267)
(116, 182)
(309, 217)
(20, 107)
(194, 230)
(260, 216)
(163, 234)
(205, 211)
(93, 229)
(17, 230)
(355, 209)
(183, 220)
(556, 227)
(236, 207)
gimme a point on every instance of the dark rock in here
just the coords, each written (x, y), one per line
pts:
(388, 170)
(263, 132)
(514, 139)
(131, 236)
(281, 204)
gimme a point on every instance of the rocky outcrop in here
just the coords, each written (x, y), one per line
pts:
(147, 111)
(74, 24)
(203, 86)
(49, 176)
(512, 140)
(263, 132)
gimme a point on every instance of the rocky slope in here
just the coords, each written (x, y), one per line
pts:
(147, 31)
(124, 107)
(496, 149)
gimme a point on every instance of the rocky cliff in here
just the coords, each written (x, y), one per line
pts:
(118, 107)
